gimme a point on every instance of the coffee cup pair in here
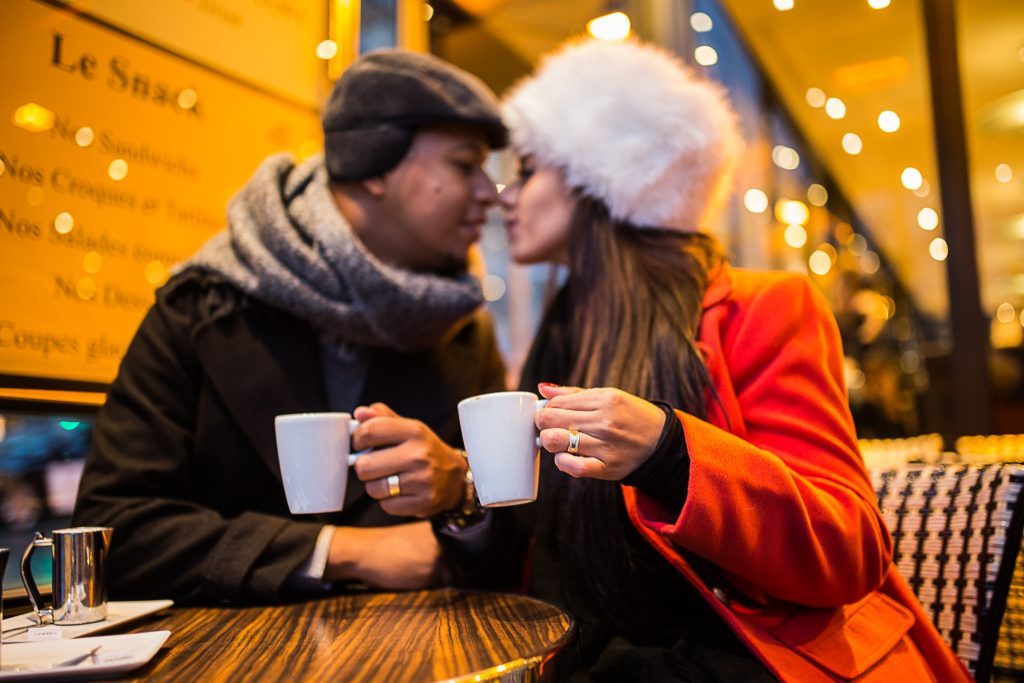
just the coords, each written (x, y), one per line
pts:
(500, 436)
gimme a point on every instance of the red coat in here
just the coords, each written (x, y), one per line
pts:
(779, 498)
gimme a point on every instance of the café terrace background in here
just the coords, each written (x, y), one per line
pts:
(128, 126)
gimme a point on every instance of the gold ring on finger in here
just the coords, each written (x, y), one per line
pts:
(394, 486)
(574, 442)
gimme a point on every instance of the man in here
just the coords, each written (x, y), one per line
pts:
(339, 282)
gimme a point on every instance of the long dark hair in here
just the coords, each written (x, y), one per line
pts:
(635, 299)
(635, 303)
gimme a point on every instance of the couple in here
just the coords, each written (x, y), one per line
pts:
(710, 519)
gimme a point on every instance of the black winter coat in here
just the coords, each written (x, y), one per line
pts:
(184, 464)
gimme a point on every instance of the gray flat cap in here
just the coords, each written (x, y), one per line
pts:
(385, 96)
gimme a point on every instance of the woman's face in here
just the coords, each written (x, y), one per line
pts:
(538, 212)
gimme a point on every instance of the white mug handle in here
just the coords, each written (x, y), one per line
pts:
(353, 425)
(542, 403)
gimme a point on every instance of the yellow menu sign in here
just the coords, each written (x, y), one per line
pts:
(271, 43)
(116, 163)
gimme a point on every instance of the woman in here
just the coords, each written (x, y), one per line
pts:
(709, 517)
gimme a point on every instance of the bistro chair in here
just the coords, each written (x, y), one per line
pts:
(1003, 448)
(956, 535)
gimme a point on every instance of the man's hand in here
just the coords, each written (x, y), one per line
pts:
(402, 557)
(430, 473)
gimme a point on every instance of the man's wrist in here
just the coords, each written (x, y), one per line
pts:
(468, 511)
(343, 559)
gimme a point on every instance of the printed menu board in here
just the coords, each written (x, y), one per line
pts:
(271, 43)
(117, 161)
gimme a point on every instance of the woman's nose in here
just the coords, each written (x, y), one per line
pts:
(509, 194)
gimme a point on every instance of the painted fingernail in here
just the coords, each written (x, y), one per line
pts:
(548, 384)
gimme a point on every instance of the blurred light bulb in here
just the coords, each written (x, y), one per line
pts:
(610, 27)
(701, 22)
(33, 117)
(187, 98)
(785, 157)
(795, 235)
(155, 273)
(84, 136)
(928, 218)
(852, 144)
(493, 287)
(326, 49)
(817, 195)
(63, 223)
(820, 263)
(755, 200)
(857, 244)
(911, 178)
(791, 211)
(117, 169)
(938, 249)
(889, 121)
(92, 262)
(870, 262)
(705, 55)
(815, 97)
(85, 288)
(835, 108)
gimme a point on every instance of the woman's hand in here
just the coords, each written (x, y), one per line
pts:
(618, 431)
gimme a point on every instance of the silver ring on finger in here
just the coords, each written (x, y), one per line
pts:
(574, 442)
(394, 486)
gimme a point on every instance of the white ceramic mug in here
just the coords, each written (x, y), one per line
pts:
(313, 450)
(503, 446)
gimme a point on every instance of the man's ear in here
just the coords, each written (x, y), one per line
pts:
(377, 187)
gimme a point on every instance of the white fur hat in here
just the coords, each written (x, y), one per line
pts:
(629, 124)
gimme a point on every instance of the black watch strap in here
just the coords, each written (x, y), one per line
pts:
(468, 513)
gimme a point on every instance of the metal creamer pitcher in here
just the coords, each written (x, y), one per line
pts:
(79, 575)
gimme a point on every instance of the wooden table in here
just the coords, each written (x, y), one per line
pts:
(417, 636)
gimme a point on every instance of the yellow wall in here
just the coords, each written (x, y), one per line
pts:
(81, 252)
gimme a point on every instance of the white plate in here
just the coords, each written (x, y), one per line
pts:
(15, 628)
(117, 654)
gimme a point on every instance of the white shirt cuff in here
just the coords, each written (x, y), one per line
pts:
(313, 569)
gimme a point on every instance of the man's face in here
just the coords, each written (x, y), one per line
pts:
(435, 201)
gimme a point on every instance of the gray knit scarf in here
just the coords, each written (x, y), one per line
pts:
(287, 245)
